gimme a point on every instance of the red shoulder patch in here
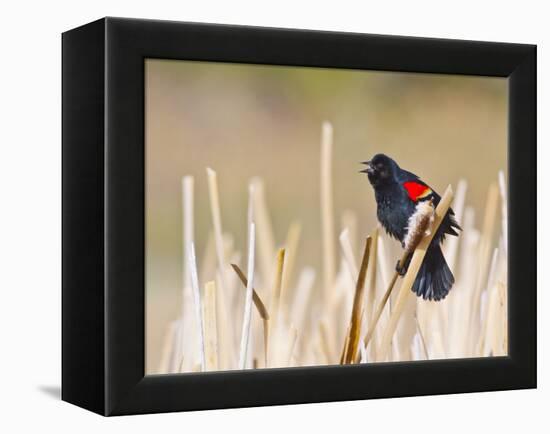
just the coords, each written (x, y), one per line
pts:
(416, 191)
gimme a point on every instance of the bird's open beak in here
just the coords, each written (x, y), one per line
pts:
(369, 168)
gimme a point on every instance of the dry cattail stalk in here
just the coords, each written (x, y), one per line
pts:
(197, 302)
(343, 355)
(245, 334)
(410, 276)
(277, 286)
(485, 318)
(210, 327)
(187, 212)
(185, 345)
(224, 315)
(208, 260)
(216, 219)
(262, 310)
(355, 321)
(275, 303)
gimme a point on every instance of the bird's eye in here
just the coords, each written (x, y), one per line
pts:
(380, 166)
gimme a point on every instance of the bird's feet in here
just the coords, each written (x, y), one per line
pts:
(401, 270)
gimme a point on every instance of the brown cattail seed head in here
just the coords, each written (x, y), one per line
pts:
(418, 225)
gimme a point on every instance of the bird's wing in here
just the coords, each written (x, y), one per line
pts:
(418, 190)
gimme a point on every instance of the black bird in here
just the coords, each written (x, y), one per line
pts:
(398, 194)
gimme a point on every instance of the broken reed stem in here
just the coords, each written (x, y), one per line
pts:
(260, 306)
(327, 217)
(355, 321)
(210, 327)
(410, 276)
(245, 335)
(262, 310)
(197, 302)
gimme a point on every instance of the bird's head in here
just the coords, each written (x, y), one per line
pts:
(381, 170)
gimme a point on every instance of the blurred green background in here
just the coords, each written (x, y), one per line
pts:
(251, 120)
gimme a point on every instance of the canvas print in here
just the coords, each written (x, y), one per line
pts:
(300, 216)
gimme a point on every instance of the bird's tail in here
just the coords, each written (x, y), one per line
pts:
(434, 280)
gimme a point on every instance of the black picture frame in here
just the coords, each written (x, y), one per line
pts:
(103, 216)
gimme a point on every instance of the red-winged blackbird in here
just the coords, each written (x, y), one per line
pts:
(398, 194)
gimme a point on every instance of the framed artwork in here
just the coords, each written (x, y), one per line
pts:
(257, 216)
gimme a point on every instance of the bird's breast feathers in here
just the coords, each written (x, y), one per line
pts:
(417, 191)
